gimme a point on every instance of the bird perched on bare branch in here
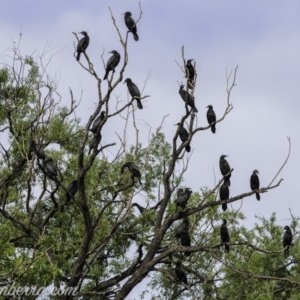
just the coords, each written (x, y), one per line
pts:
(97, 122)
(187, 98)
(224, 233)
(225, 168)
(134, 92)
(112, 63)
(131, 25)
(190, 73)
(133, 169)
(224, 194)
(82, 44)
(254, 183)
(184, 135)
(180, 274)
(183, 196)
(211, 118)
(287, 240)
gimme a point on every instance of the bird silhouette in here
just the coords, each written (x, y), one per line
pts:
(211, 118)
(225, 168)
(97, 122)
(131, 25)
(254, 183)
(180, 274)
(184, 226)
(184, 135)
(95, 141)
(133, 169)
(82, 44)
(287, 240)
(190, 73)
(224, 194)
(134, 92)
(38, 150)
(71, 190)
(50, 168)
(183, 196)
(187, 98)
(224, 233)
(112, 63)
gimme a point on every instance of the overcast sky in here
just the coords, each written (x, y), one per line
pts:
(261, 37)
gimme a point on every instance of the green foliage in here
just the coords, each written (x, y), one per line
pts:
(113, 229)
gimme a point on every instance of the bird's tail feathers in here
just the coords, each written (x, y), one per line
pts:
(224, 206)
(213, 128)
(135, 36)
(286, 252)
(227, 249)
(188, 148)
(139, 104)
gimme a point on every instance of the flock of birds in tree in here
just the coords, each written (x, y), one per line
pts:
(183, 195)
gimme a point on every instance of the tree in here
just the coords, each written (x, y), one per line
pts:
(75, 216)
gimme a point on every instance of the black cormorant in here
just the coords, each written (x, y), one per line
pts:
(225, 168)
(287, 240)
(112, 62)
(224, 233)
(82, 44)
(134, 92)
(187, 98)
(131, 25)
(211, 118)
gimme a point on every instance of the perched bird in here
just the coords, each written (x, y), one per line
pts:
(224, 194)
(287, 240)
(183, 196)
(185, 240)
(184, 135)
(134, 92)
(211, 118)
(72, 190)
(112, 63)
(187, 98)
(184, 226)
(50, 168)
(180, 274)
(38, 150)
(97, 122)
(254, 183)
(225, 168)
(131, 25)
(95, 141)
(224, 233)
(190, 73)
(82, 44)
(133, 169)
